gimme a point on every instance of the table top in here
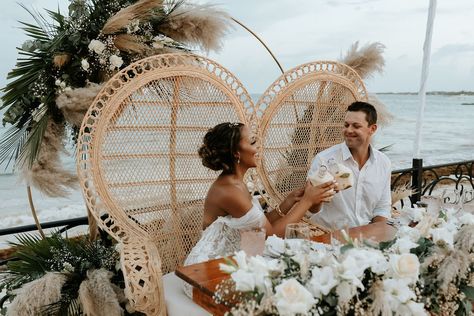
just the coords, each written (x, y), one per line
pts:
(206, 276)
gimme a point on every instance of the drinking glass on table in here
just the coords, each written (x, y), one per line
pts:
(252, 241)
(297, 231)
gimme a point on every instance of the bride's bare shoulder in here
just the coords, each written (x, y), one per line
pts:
(228, 196)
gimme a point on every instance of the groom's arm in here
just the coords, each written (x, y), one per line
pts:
(382, 210)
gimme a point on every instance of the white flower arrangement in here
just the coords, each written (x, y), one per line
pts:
(405, 276)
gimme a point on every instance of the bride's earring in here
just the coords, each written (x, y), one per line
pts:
(238, 160)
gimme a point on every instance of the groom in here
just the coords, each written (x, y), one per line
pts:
(369, 199)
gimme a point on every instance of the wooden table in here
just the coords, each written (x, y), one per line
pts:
(205, 276)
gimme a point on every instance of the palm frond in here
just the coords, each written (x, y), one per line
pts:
(386, 148)
(43, 24)
(30, 149)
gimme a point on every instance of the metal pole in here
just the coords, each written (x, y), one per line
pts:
(417, 180)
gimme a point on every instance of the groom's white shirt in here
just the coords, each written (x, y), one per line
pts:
(369, 197)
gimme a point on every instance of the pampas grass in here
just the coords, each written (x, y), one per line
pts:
(384, 117)
(455, 264)
(380, 306)
(97, 295)
(130, 43)
(32, 297)
(46, 173)
(197, 25)
(60, 60)
(464, 239)
(367, 60)
(401, 192)
(75, 103)
(142, 10)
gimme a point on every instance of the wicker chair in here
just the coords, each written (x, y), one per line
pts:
(301, 114)
(138, 166)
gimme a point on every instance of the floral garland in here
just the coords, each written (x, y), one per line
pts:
(62, 66)
(425, 269)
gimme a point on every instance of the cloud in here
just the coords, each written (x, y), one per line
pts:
(452, 49)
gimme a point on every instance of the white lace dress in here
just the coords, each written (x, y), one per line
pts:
(222, 237)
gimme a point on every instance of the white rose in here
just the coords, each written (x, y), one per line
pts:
(241, 259)
(404, 245)
(442, 234)
(322, 281)
(62, 85)
(274, 246)
(227, 268)
(96, 46)
(345, 291)
(244, 280)
(405, 266)
(409, 232)
(467, 219)
(417, 309)
(57, 82)
(115, 61)
(85, 64)
(293, 298)
(397, 292)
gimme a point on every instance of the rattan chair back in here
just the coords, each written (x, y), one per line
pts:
(301, 114)
(138, 165)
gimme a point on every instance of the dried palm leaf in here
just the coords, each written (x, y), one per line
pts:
(142, 10)
(202, 26)
(464, 239)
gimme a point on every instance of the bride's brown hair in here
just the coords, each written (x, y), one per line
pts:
(220, 145)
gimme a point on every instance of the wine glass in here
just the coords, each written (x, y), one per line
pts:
(297, 231)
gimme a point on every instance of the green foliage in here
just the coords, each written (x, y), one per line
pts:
(37, 80)
(424, 249)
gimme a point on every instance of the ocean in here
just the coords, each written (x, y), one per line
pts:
(447, 136)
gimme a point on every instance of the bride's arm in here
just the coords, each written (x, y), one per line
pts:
(285, 206)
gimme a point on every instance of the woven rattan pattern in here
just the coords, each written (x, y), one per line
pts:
(138, 165)
(301, 114)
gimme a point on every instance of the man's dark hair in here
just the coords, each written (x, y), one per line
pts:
(367, 108)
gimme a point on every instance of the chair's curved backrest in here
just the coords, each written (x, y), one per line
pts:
(301, 114)
(137, 151)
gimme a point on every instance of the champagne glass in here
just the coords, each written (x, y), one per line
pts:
(297, 231)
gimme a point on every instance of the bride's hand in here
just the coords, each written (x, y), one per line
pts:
(321, 193)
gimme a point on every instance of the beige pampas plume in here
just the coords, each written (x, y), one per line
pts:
(59, 60)
(142, 10)
(366, 60)
(401, 192)
(464, 239)
(455, 264)
(46, 173)
(75, 103)
(130, 43)
(197, 25)
(97, 295)
(380, 306)
(384, 117)
(32, 297)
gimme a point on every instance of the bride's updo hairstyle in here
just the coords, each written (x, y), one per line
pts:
(220, 145)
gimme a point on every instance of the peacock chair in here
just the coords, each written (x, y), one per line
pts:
(138, 166)
(301, 114)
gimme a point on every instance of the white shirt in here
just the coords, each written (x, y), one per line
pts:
(370, 195)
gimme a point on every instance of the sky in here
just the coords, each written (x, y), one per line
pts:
(307, 30)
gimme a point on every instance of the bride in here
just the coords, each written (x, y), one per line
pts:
(231, 147)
